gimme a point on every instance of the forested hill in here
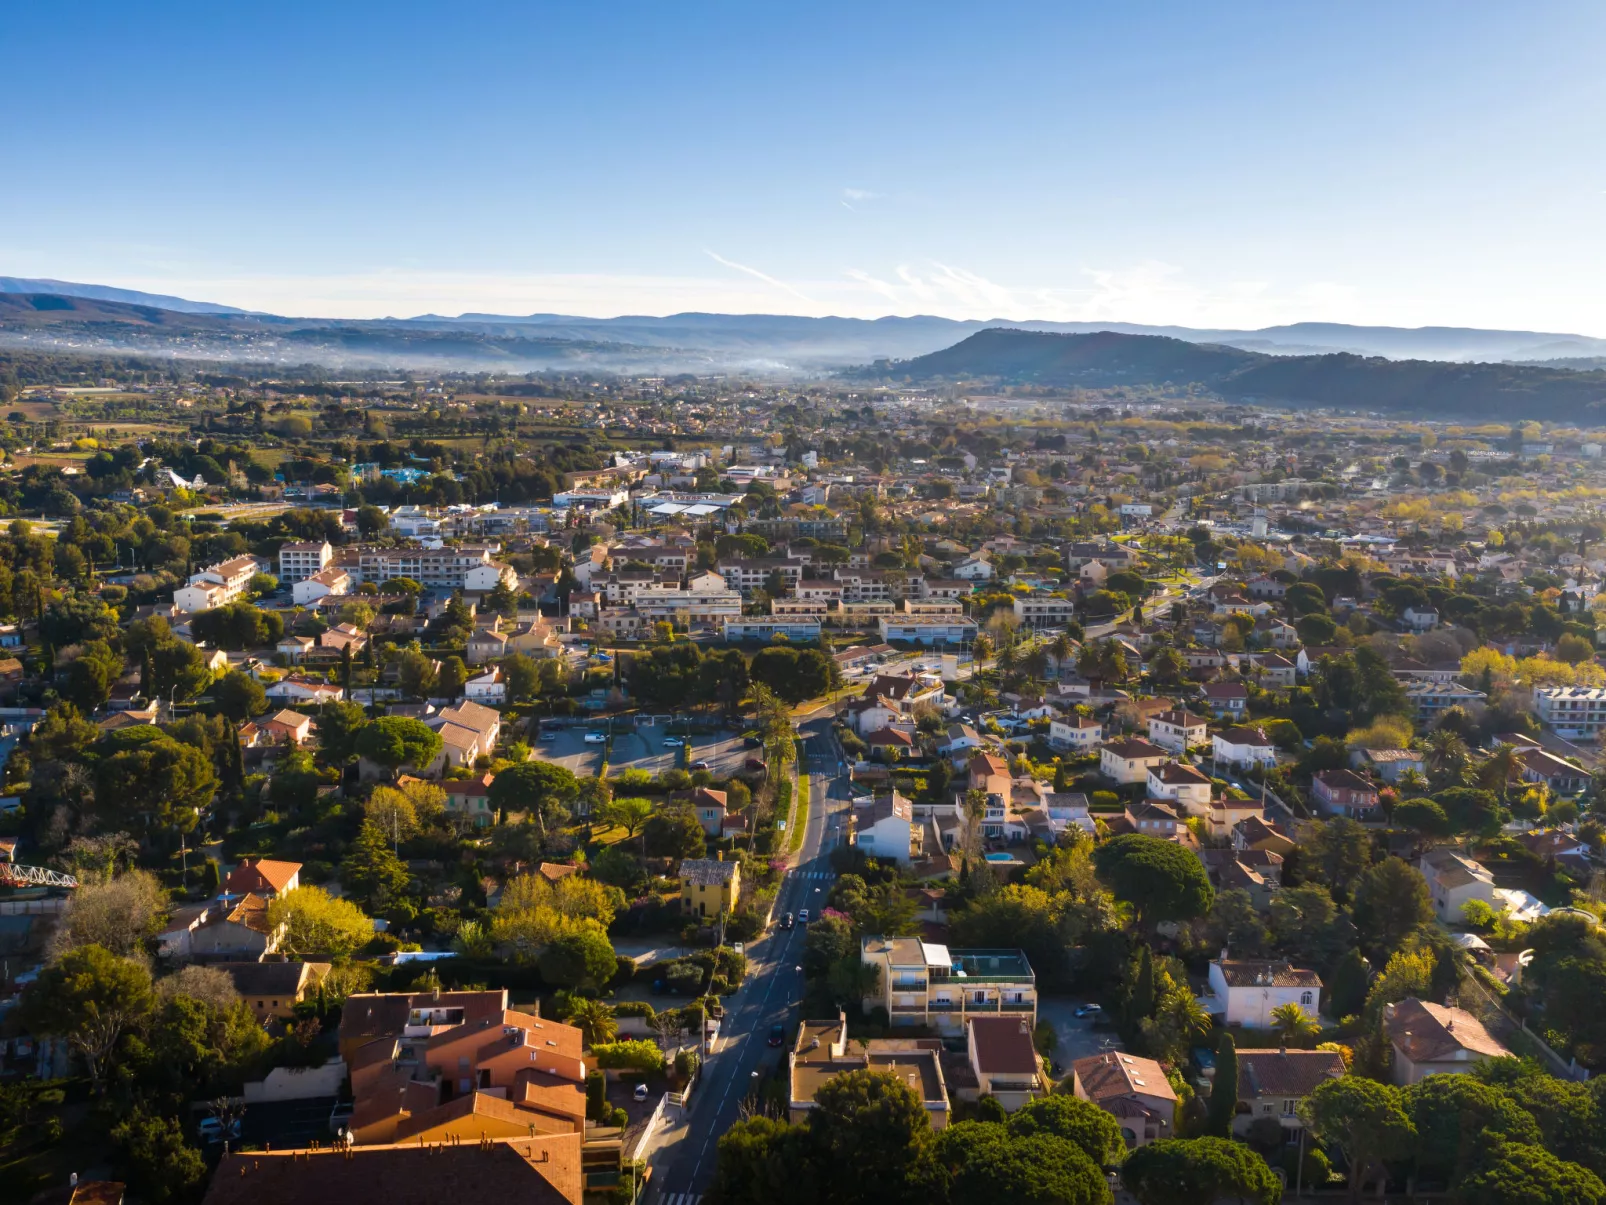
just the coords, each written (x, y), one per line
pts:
(1107, 358)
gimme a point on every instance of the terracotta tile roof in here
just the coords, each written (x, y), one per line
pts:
(1181, 719)
(1106, 1076)
(706, 872)
(1004, 1045)
(1244, 736)
(1427, 1033)
(1286, 1073)
(548, 1093)
(1255, 972)
(544, 1170)
(384, 1014)
(260, 874)
(1179, 773)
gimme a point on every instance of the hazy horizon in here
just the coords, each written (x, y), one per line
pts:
(1236, 168)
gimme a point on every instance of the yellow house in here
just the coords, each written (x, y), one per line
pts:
(709, 886)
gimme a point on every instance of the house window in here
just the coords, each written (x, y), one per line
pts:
(1290, 1108)
(1306, 999)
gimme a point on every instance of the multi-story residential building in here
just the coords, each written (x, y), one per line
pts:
(929, 630)
(921, 983)
(1572, 712)
(822, 1052)
(1430, 700)
(885, 828)
(1454, 881)
(300, 560)
(463, 567)
(217, 586)
(796, 630)
(1133, 1090)
(709, 887)
(1044, 610)
(751, 576)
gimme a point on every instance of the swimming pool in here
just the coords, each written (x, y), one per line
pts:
(1001, 858)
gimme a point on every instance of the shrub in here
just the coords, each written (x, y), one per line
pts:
(629, 1055)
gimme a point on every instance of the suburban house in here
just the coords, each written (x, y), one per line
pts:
(710, 806)
(1177, 782)
(1344, 793)
(1226, 698)
(281, 728)
(885, 828)
(1430, 1039)
(487, 687)
(295, 689)
(1454, 880)
(471, 797)
(1130, 759)
(1153, 818)
(1076, 734)
(961, 739)
(1241, 747)
(709, 887)
(273, 989)
(326, 582)
(1247, 991)
(1271, 1083)
(261, 876)
(468, 732)
(1003, 1059)
(1178, 731)
(1390, 765)
(1132, 1090)
(922, 983)
(822, 1052)
(1562, 777)
(235, 932)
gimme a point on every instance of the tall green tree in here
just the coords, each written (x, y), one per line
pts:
(1224, 1089)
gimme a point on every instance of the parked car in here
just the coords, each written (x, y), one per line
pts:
(777, 1035)
(641, 1091)
(595, 738)
(340, 1116)
(1089, 1010)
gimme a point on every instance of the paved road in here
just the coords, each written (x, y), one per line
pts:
(683, 1164)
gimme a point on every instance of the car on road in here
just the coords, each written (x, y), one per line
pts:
(752, 742)
(699, 765)
(802, 916)
(1089, 1010)
(673, 742)
(788, 921)
(595, 738)
(777, 1035)
(641, 1092)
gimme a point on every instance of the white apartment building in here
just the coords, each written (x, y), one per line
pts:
(928, 629)
(1044, 611)
(217, 586)
(464, 567)
(1573, 712)
(299, 561)
(921, 983)
(760, 628)
(748, 576)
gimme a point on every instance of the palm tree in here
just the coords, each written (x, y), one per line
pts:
(1496, 773)
(1293, 1023)
(593, 1019)
(1413, 784)
(1447, 754)
(1063, 648)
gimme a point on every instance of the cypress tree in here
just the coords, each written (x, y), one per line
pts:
(1142, 1001)
(1224, 1092)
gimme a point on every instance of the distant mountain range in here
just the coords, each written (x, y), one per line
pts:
(102, 318)
(1340, 379)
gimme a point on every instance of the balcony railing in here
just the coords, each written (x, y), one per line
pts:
(1019, 1006)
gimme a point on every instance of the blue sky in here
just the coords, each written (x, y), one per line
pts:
(1206, 164)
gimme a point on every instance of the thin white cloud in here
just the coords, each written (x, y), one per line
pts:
(860, 194)
(757, 275)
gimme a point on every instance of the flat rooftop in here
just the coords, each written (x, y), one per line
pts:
(918, 1068)
(991, 964)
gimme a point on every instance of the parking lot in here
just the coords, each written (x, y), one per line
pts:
(567, 747)
(1077, 1039)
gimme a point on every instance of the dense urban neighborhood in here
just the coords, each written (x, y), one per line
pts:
(698, 791)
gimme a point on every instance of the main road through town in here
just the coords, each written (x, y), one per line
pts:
(683, 1163)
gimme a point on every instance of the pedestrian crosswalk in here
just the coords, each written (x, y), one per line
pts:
(814, 874)
(680, 1198)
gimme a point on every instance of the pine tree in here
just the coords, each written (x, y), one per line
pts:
(1224, 1091)
(211, 877)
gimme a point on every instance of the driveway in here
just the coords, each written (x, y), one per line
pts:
(1077, 1037)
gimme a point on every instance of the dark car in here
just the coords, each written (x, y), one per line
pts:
(752, 742)
(777, 1035)
(699, 765)
(788, 921)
